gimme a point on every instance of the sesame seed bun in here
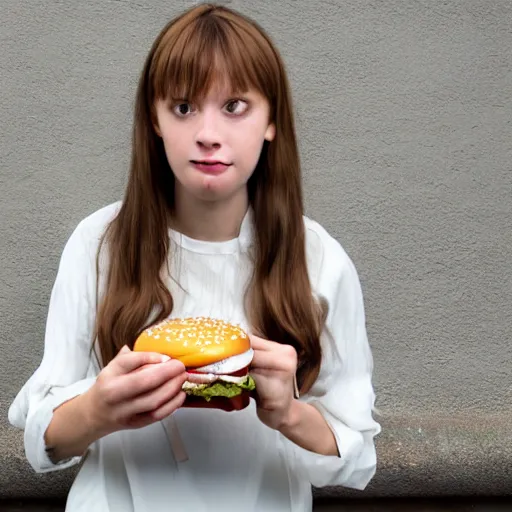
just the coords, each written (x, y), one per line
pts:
(196, 342)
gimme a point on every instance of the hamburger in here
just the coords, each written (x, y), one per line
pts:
(216, 355)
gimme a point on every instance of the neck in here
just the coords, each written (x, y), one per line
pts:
(213, 221)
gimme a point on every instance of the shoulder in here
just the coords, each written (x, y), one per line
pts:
(328, 261)
(95, 223)
(87, 235)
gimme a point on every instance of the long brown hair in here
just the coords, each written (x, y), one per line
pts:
(188, 56)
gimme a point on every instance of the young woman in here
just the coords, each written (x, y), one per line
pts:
(211, 224)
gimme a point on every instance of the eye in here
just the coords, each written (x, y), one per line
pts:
(236, 107)
(183, 109)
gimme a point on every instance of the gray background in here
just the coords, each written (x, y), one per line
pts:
(404, 120)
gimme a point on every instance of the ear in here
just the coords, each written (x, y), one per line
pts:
(271, 132)
(154, 121)
(155, 126)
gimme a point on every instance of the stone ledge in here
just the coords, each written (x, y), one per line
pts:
(437, 455)
(347, 505)
(419, 456)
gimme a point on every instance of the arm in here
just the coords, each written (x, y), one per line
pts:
(306, 427)
(67, 369)
(67, 404)
(70, 431)
(343, 393)
(134, 390)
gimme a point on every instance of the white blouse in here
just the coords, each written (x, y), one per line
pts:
(235, 463)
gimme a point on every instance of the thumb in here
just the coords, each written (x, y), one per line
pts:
(258, 343)
(124, 349)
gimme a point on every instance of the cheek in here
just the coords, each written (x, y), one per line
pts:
(249, 144)
(175, 151)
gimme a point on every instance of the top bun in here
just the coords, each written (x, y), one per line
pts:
(195, 342)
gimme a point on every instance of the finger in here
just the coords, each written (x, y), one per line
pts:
(125, 349)
(152, 365)
(169, 407)
(154, 399)
(147, 379)
(127, 386)
(126, 362)
(147, 418)
(262, 377)
(258, 343)
(282, 359)
(258, 373)
(268, 360)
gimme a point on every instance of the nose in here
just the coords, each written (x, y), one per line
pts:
(208, 134)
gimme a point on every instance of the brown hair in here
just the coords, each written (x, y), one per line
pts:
(280, 302)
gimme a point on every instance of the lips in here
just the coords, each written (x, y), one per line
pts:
(210, 166)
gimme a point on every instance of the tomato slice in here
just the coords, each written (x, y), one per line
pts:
(241, 373)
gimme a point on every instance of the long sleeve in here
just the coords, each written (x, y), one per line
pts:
(343, 392)
(68, 366)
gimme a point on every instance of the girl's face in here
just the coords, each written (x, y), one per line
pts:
(213, 147)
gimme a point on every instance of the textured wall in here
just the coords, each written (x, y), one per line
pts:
(404, 115)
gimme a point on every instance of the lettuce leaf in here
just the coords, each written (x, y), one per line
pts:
(220, 388)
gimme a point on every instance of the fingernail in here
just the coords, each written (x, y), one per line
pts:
(165, 358)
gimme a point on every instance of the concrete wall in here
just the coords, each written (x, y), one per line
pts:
(404, 115)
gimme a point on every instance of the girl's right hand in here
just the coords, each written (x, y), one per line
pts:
(134, 390)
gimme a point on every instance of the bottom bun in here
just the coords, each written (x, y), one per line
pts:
(237, 403)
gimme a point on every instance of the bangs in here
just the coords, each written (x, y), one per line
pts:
(212, 51)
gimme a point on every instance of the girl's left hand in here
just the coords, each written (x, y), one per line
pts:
(273, 369)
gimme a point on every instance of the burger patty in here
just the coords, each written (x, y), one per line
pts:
(208, 378)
